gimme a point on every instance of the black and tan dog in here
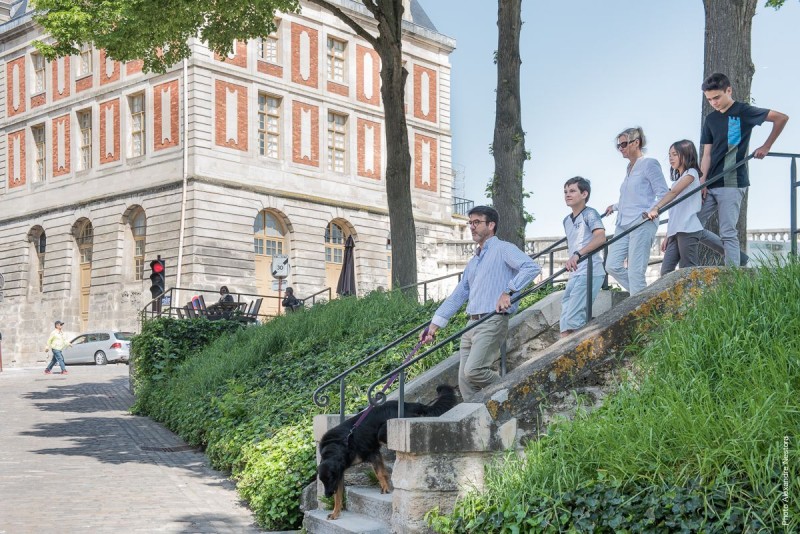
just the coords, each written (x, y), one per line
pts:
(343, 446)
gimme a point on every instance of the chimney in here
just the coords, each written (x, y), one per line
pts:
(407, 11)
(5, 11)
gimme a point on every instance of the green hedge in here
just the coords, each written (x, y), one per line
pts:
(693, 441)
(246, 397)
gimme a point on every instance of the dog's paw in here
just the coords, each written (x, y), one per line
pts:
(387, 489)
(333, 515)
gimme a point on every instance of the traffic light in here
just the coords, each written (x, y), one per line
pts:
(157, 277)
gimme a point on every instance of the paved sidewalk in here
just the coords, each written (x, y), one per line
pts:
(72, 459)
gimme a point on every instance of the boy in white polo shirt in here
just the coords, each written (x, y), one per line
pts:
(585, 232)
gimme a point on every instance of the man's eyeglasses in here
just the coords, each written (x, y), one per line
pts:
(476, 222)
(624, 144)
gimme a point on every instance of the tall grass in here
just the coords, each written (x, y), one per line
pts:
(705, 412)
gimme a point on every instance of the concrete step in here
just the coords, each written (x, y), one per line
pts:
(369, 501)
(317, 522)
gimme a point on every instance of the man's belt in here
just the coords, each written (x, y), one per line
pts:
(479, 316)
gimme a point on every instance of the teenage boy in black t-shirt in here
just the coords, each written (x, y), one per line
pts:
(725, 139)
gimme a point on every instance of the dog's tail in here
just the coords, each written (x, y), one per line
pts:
(445, 400)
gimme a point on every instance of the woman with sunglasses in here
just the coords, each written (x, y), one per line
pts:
(643, 186)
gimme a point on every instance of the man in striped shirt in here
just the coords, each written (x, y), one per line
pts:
(496, 271)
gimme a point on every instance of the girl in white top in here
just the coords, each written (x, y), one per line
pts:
(684, 229)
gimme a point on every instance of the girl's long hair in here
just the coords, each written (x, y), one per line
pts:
(687, 158)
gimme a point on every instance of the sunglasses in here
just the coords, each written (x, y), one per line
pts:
(625, 144)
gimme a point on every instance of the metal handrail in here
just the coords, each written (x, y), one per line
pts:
(533, 256)
(794, 184)
(323, 400)
(379, 397)
(313, 296)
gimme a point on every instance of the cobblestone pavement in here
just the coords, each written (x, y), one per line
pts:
(72, 459)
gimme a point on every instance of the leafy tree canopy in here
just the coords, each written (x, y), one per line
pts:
(156, 31)
(777, 4)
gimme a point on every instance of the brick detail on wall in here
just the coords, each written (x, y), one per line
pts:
(159, 141)
(306, 155)
(420, 99)
(422, 164)
(109, 110)
(265, 67)
(38, 100)
(362, 76)
(239, 58)
(133, 67)
(224, 92)
(15, 96)
(84, 83)
(15, 149)
(61, 168)
(364, 149)
(108, 75)
(305, 60)
(338, 89)
(66, 72)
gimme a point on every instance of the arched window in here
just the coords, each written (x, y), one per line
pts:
(335, 237)
(334, 243)
(139, 231)
(269, 240)
(38, 240)
(41, 248)
(84, 238)
(268, 235)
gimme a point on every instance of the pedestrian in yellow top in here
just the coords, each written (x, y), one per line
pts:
(56, 343)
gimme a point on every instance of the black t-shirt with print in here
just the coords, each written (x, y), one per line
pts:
(729, 136)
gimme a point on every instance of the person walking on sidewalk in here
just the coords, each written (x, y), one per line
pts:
(56, 343)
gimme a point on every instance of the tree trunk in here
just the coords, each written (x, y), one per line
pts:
(508, 146)
(389, 46)
(398, 158)
(728, 39)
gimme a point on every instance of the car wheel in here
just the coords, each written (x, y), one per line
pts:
(100, 358)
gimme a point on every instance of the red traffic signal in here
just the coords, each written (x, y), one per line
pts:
(158, 280)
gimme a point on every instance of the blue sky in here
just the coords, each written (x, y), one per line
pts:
(591, 69)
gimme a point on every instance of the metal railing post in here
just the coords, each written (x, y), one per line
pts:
(589, 283)
(401, 399)
(341, 401)
(503, 352)
(793, 207)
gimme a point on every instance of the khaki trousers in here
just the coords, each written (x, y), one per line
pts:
(480, 349)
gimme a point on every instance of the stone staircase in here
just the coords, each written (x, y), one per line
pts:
(437, 459)
(367, 511)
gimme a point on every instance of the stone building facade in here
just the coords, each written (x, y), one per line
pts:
(216, 166)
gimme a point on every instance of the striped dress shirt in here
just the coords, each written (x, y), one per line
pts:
(496, 267)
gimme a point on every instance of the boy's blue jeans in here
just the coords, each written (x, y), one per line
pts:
(573, 303)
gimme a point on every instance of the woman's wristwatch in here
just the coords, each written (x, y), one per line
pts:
(576, 253)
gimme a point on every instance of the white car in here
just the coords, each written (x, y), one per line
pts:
(99, 347)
